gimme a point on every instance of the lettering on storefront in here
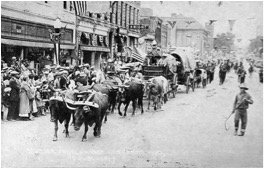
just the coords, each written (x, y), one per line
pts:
(29, 31)
(90, 48)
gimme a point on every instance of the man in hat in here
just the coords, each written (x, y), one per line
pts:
(45, 76)
(161, 61)
(64, 80)
(86, 69)
(110, 68)
(222, 71)
(261, 75)
(15, 64)
(136, 74)
(51, 73)
(14, 96)
(240, 109)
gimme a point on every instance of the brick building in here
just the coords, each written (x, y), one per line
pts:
(24, 30)
(100, 32)
(186, 32)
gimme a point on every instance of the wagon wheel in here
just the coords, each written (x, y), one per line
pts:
(187, 84)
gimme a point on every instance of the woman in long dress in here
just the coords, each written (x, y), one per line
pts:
(25, 97)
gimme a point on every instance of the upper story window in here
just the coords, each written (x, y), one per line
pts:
(64, 4)
(71, 6)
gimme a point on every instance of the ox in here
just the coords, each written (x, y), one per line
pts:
(110, 90)
(59, 112)
(157, 89)
(89, 112)
(131, 91)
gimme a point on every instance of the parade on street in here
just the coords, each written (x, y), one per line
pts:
(132, 84)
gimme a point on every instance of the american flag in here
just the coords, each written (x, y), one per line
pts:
(136, 55)
(80, 7)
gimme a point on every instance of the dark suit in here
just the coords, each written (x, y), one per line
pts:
(14, 100)
(63, 83)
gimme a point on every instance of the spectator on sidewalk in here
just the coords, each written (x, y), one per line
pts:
(26, 99)
(242, 100)
(14, 97)
(5, 101)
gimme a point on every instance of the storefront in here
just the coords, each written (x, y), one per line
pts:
(94, 48)
(31, 41)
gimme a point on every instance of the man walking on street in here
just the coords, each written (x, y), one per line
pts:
(222, 72)
(240, 109)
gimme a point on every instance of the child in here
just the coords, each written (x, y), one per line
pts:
(40, 103)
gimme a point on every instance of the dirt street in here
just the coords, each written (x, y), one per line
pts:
(188, 132)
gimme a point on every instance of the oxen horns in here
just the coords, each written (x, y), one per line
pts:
(76, 103)
(123, 86)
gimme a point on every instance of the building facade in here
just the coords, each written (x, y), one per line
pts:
(99, 33)
(24, 31)
(187, 32)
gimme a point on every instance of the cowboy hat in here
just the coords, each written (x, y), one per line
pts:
(110, 60)
(243, 86)
(77, 72)
(64, 72)
(86, 65)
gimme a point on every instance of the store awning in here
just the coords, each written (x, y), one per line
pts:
(34, 44)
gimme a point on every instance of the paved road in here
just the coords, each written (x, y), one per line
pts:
(188, 132)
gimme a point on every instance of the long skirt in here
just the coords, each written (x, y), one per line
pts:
(24, 106)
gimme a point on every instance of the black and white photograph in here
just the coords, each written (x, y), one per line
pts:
(131, 84)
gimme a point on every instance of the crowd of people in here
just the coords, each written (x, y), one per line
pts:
(25, 93)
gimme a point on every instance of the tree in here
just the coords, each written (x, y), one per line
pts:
(256, 44)
(224, 41)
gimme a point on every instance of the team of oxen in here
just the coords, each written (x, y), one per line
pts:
(90, 105)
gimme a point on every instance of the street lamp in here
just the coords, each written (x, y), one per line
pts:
(55, 36)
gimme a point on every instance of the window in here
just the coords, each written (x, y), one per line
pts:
(130, 15)
(121, 14)
(116, 12)
(126, 15)
(134, 16)
(71, 6)
(45, 2)
(64, 4)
